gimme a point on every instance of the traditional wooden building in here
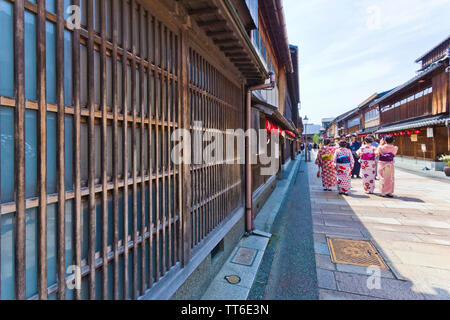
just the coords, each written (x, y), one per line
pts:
(289, 147)
(369, 111)
(275, 107)
(88, 186)
(417, 112)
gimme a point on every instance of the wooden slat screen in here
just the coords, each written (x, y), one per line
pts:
(94, 185)
(216, 187)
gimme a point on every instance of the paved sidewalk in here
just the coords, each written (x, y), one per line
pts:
(411, 232)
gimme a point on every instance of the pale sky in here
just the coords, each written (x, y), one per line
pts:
(350, 49)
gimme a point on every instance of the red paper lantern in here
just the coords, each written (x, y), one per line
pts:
(402, 133)
(409, 132)
(396, 134)
(418, 132)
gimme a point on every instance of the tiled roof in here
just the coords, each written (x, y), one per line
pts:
(426, 122)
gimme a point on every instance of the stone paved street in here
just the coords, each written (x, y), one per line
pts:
(411, 232)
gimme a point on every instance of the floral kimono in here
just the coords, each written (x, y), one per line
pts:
(386, 168)
(325, 162)
(368, 166)
(344, 161)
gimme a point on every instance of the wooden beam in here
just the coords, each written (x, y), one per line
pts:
(231, 49)
(218, 33)
(203, 11)
(225, 41)
(214, 22)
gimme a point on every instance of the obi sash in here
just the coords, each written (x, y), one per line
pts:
(387, 157)
(327, 157)
(368, 156)
(343, 159)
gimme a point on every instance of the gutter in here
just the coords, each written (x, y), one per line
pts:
(249, 212)
(280, 12)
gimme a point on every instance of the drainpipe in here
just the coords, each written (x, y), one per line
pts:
(249, 213)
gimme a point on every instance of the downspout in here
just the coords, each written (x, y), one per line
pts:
(249, 213)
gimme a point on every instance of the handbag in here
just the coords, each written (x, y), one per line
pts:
(318, 174)
(327, 157)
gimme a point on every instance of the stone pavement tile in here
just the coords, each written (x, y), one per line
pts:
(349, 268)
(442, 240)
(424, 222)
(437, 231)
(324, 262)
(336, 230)
(225, 291)
(379, 220)
(254, 242)
(338, 216)
(393, 236)
(321, 248)
(395, 228)
(332, 222)
(419, 274)
(390, 288)
(432, 292)
(428, 248)
(336, 212)
(317, 220)
(320, 238)
(422, 259)
(325, 294)
(378, 214)
(325, 279)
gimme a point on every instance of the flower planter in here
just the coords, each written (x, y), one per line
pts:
(447, 171)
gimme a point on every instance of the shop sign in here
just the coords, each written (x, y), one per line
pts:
(414, 138)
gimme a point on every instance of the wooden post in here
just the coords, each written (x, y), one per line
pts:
(183, 87)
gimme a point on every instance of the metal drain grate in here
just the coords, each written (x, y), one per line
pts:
(356, 252)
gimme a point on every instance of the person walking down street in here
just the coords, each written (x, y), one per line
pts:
(354, 147)
(367, 160)
(344, 162)
(386, 170)
(375, 144)
(326, 165)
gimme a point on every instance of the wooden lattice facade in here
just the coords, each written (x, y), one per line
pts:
(86, 117)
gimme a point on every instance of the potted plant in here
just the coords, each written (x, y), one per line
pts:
(446, 159)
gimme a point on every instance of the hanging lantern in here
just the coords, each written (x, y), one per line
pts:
(396, 134)
(409, 132)
(418, 132)
(402, 133)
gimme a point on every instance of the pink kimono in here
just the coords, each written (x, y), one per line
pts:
(325, 162)
(368, 163)
(386, 169)
(344, 170)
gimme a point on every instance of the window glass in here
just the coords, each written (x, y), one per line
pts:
(7, 50)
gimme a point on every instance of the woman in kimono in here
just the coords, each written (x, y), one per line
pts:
(386, 153)
(343, 159)
(367, 158)
(326, 165)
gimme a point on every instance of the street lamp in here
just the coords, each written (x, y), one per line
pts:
(305, 121)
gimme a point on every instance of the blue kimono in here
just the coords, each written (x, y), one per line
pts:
(355, 146)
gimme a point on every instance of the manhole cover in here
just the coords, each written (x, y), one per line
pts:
(245, 256)
(233, 279)
(356, 252)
